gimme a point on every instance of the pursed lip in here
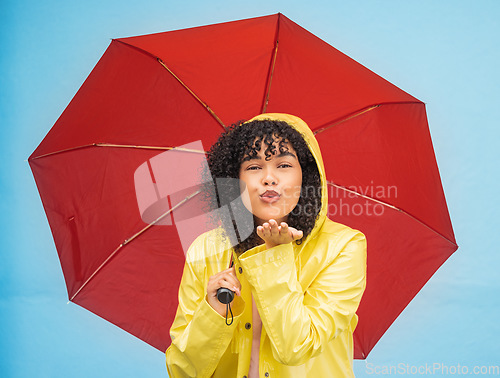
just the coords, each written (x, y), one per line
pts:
(270, 196)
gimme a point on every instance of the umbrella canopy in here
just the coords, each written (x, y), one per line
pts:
(152, 93)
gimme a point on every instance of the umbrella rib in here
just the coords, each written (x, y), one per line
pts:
(162, 148)
(126, 241)
(150, 147)
(349, 117)
(358, 113)
(390, 206)
(264, 109)
(193, 94)
(273, 64)
(61, 151)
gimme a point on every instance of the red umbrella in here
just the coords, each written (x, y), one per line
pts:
(151, 93)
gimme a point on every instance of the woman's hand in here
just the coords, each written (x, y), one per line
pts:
(227, 278)
(274, 234)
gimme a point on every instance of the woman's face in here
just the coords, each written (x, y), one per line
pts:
(271, 188)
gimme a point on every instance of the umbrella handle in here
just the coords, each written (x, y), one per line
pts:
(224, 295)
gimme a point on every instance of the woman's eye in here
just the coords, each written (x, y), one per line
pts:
(253, 168)
(284, 165)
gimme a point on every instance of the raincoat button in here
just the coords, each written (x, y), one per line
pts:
(240, 269)
(266, 374)
(244, 376)
(248, 326)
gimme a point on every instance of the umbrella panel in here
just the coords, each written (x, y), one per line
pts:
(403, 254)
(129, 99)
(387, 154)
(137, 290)
(226, 65)
(90, 201)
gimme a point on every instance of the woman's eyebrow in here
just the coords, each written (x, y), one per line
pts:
(287, 153)
(257, 157)
(248, 158)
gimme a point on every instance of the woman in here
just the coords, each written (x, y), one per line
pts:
(298, 277)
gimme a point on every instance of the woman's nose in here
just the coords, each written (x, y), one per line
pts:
(269, 178)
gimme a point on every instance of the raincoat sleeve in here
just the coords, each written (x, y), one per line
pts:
(199, 334)
(301, 321)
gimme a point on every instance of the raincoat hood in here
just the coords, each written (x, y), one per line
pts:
(308, 136)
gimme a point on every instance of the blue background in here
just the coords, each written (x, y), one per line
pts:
(443, 52)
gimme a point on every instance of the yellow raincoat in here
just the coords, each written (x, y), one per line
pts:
(306, 295)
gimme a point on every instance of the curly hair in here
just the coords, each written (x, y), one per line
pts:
(241, 142)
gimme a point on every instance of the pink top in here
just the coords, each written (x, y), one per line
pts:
(256, 330)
